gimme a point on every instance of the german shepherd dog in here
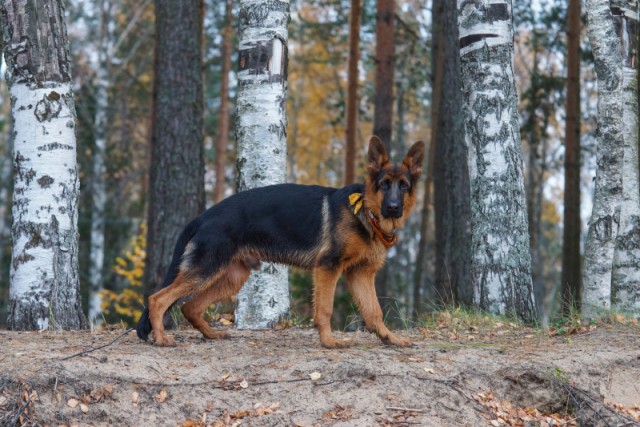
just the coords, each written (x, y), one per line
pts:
(327, 230)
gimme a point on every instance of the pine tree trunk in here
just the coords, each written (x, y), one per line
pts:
(605, 217)
(98, 185)
(222, 140)
(451, 179)
(625, 287)
(501, 262)
(385, 63)
(571, 278)
(383, 108)
(44, 290)
(176, 182)
(261, 131)
(352, 92)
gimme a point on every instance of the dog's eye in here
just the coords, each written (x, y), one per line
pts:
(404, 185)
(385, 184)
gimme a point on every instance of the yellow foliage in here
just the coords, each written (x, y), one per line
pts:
(128, 302)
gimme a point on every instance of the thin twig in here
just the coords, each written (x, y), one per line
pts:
(99, 347)
(396, 408)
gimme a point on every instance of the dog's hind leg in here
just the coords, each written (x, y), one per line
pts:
(361, 284)
(183, 285)
(216, 289)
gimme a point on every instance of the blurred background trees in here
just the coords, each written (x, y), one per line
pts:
(428, 268)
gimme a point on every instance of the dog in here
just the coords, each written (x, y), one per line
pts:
(330, 231)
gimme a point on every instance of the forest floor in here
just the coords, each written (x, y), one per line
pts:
(456, 374)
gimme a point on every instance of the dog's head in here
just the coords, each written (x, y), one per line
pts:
(391, 186)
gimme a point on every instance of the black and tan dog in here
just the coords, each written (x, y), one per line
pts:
(330, 231)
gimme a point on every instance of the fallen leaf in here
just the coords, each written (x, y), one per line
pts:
(429, 370)
(161, 396)
(225, 322)
(315, 376)
(244, 384)
(84, 408)
(135, 398)
(72, 403)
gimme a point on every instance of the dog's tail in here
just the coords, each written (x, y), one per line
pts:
(143, 329)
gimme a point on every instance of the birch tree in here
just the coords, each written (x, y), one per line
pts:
(261, 129)
(625, 290)
(501, 262)
(608, 25)
(44, 288)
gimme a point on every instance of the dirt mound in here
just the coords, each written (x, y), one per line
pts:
(275, 378)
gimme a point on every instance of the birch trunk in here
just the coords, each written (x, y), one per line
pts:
(625, 287)
(501, 262)
(98, 186)
(261, 130)
(571, 279)
(605, 217)
(44, 289)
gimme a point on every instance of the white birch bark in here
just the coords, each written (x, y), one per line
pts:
(98, 185)
(261, 129)
(501, 261)
(625, 284)
(605, 217)
(44, 289)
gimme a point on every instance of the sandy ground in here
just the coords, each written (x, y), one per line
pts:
(285, 378)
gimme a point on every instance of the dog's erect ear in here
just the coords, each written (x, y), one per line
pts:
(377, 156)
(413, 159)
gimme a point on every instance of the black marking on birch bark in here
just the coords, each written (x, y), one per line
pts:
(47, 109)
(45, 181)
(256, 60)
(255, 15)
(466, 41)
(54, 146)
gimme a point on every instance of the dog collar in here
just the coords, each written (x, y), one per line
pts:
(388, 239)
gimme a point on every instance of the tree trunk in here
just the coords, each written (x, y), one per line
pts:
(261, 130)
(176, 182)
(501, 262)
(385, 63)
(451, 174)
(44, 290)
(98, 185)
(571, 279)
(383, 108)
(605, 217)
(352, 92)
(222, 140)
(625, 287)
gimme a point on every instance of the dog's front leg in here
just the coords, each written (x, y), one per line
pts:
(324, 287)
(361, 283)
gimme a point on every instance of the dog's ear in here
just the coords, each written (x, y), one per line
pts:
(413, 159)
(377, 156)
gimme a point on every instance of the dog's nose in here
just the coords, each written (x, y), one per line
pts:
(393, 207)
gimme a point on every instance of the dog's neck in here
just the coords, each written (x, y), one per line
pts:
(371, 222)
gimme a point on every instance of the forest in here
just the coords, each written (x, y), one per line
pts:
(162, 131)
(516, 276)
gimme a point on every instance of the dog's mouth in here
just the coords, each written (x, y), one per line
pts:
(391, 215)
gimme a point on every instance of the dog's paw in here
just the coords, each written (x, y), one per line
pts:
(212, 334)
(162, 340)
(394, 340)
(334, 343)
